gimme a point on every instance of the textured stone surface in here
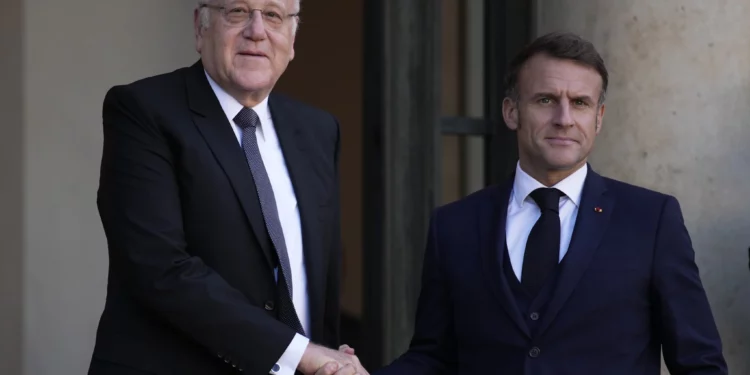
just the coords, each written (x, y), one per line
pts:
(678, 121)
(11, 187)
(73, 51)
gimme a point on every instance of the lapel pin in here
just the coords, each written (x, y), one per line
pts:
(598, 209)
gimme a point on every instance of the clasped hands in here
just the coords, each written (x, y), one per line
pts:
(319, 360)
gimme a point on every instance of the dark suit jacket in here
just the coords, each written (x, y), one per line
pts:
(191, 286)
(628, 287)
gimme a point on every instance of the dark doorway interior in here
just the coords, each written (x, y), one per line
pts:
(345, 61)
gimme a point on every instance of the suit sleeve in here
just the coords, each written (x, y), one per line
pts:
(690, 339)
(140, 207)
(332, 316)
(432, 349)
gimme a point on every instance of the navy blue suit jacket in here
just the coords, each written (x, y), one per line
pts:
(628, 287)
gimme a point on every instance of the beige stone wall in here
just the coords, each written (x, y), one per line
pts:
(11, 238)
(678, 121)
(59, 58)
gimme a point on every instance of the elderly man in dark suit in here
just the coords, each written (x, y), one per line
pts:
(220, 204)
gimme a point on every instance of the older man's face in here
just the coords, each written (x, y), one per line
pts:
(247, 57)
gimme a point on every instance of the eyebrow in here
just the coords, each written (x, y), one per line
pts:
(275, 3)
(585, 98)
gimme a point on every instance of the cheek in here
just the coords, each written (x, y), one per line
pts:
(538, 129)
(224, 47)
(282, 47)
(587, 126)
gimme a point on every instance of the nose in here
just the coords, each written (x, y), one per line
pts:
(564, 117)
(255, 29)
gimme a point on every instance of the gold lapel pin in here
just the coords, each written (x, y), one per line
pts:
(598, 209)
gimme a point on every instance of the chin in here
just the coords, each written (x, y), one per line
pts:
(561, 164)
(254, 81)
(561, 159)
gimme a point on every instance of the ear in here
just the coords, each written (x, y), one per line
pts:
(510, 113)
(198, 30)
(599, 118)
(294, 35)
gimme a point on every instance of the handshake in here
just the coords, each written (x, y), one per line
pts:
(319, 360)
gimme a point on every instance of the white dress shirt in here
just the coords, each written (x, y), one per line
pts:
(523, 213)
(286, 204)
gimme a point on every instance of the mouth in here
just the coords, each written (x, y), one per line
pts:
(252, 54)
(561, 141)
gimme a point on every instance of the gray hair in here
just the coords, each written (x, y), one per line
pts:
(205, 15)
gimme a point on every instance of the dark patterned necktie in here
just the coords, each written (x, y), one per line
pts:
(248, 120)
(543, 245)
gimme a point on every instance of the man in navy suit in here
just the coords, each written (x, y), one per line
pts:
(560, 271)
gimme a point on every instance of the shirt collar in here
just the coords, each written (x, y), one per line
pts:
(232, 107)
(571, 186)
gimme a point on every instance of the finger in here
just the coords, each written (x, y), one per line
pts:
(355, 361)
(328, 369)
(346, 349)
(347, 370)
(360, 369)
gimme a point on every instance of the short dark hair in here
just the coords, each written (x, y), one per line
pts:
(560, 45)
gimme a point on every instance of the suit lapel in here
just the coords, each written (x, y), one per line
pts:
(593, 217)
(213, 124)
(289, 129)
(491, 223)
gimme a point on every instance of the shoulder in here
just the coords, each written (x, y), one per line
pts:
(630, 191)
(152, 91)
(301, 108)
(641, 199)
(318, 124)
(461, 210)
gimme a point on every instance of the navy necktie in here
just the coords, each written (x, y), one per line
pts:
(543, 245)
(248, 120)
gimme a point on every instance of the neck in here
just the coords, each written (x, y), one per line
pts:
(549, 177)
(248, 99)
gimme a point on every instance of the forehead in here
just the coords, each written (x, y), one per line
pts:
(545, 73)
(289, 4)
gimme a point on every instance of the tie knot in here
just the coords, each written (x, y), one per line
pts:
(547, 198)
(247, 118)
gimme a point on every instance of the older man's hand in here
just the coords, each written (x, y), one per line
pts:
(317, 359)
(333, 368)
(346, 349)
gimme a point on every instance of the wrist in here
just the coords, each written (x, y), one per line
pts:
(307, 363)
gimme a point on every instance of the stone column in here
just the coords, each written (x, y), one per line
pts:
(678, 121)
(11, 174)
(401, 175)
(58, 60)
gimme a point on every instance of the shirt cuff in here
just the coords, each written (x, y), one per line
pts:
(289, 361)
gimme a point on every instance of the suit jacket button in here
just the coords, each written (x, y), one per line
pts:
(534, 316)
(534, 352)
(269, 305)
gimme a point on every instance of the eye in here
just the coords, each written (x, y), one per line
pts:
(272, 16)
(580, 103)
(545, 100)
(235, 11)
(237, 15)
